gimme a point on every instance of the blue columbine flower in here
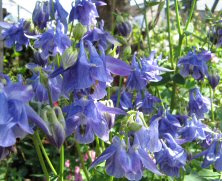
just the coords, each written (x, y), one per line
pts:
(101, 37)
(58, 13)
(171, 158)
(40, 81)
(85, 119)
(136, 80)
(17, 117)
(213, 154)
(126, 99)
(168, 123)
(14, 35)
(85, 12)
(52, 42)
(126, 160)
(194, 129)
(145, 102)
(198, 104)
(40, 15)
(195, 64)
(150, 68)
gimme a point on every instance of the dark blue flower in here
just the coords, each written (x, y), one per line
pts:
(40, 15)
(51, 42)
(213, 154)
(198, 104)
(136, 80)
(58, 13)
(14, 35)
(213, 78)
(150, 68)
(17, 118)
(85, 12)
(101, 37)
(85, 119)
(168, 123)
(171, 158)
(195, 64)
(145, 102)
(194, 129)
(126, 99)
(40, 81)
(124, 28)
(125, 162)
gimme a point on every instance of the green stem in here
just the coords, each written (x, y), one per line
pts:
(178, 17)
(45, 154)
(147, 27)
(39, 153)
(97, 146)
(191, 13)
(119, 91)
(169, 36)
(212, 103)
(111, 178)
(62, 162)
(82, 161)
(50, 96)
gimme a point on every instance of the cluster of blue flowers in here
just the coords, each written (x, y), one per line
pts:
(81, 71)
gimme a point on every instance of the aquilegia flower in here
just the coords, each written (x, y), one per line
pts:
(85, 12)
(172, 157)
(40, 15)
(145, 102)
(198, 104)
(194, 129)
(17, 117)
(85, 119)
(195, 64)
(52, 42)
(213, 154)
(126, 160)
(14, 35)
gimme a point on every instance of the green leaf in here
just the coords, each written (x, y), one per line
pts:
(152, 3)
(193, 177)
(177, 78)
(208, 174)
(190, 29)
(165, 79)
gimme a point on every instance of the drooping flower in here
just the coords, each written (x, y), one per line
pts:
(213, 154)
(150, 68)
(85, 119)
(145, 102)
(124, 28)
(125, 102)
(58, 13)
(14, 35)
(126, 160)
(213, 78)
(171, 158)
(40, 15)
(40, 83)
(136, 80)
(198, 104)
(194, 129)
(52, 42)
(168, 123)
(101, 37)
(195, 64)
(17, 117)
(85, 12)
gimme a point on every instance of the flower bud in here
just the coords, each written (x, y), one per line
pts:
(69, 58)
(56, 123)
(213, 79)
(78, 31)
(124, 28)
